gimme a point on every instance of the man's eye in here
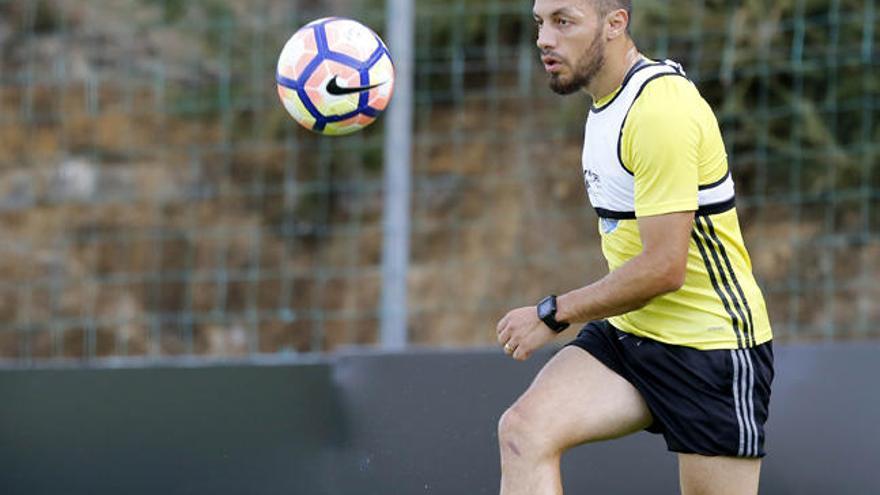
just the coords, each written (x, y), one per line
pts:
(562, 22)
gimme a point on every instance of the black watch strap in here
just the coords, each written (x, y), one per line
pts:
(547, 314)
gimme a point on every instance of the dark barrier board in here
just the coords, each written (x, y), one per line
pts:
(426, 423)
(421, 422)
(211, 430)
(824, 427)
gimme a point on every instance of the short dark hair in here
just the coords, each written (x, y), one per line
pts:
(606, 6)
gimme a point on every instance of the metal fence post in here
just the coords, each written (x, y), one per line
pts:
(400, 30)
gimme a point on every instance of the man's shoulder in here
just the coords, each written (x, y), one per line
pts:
(671, 92)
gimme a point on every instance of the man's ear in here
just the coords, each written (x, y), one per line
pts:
(616, 23)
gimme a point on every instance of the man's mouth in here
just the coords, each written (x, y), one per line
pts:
(551, 64)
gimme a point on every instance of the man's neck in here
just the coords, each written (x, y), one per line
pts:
(611, 77)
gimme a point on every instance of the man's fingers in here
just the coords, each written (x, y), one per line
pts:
(501, 324)
(510, 331)
(509, 348)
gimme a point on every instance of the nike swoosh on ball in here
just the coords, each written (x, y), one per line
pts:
(335, 89)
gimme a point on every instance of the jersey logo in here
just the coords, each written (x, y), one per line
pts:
(335, 89)
(609, 225)
(591, 179)
(592, 183)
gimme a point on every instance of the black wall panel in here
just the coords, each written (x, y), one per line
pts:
(422, 422)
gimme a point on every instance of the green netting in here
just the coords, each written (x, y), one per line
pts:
(155, 198)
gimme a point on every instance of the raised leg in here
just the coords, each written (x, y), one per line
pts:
(573, 400)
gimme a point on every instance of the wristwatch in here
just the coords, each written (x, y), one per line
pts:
(547, 314)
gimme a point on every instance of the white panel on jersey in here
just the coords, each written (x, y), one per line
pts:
(610, 186)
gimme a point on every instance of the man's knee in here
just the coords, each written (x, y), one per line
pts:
(520, 433)
(512, 423)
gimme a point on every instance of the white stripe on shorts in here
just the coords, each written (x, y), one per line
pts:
(734, 357)
(751, 402)
(743, 397)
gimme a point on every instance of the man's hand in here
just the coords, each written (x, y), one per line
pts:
(521, 333)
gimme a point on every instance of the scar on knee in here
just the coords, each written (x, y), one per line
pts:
(512, 447)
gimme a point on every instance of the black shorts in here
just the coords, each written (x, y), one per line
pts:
(703, 402)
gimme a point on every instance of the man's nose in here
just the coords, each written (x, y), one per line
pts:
(546, 40)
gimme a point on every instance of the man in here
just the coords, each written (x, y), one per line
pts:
(679, 342)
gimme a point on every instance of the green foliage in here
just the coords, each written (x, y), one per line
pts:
(172, 10)
(46, 19)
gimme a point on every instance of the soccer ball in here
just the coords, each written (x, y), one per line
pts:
(335, 76)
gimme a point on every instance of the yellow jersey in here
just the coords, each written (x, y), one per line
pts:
(653, 147)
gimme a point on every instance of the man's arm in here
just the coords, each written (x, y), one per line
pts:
(658, 269)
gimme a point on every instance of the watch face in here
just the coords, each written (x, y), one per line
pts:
(545, 308)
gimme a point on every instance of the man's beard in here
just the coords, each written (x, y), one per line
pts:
(585, 69)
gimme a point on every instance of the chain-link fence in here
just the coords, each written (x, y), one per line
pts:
(155, 198)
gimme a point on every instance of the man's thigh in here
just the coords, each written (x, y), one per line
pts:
(576, 399)
(718, 475)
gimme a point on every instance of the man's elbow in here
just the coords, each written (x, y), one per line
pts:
(666, 269)
(671, 278)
